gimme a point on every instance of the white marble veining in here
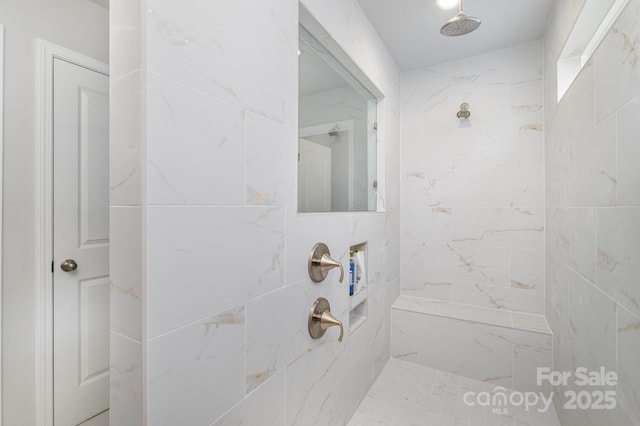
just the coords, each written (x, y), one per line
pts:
(628, 154)
(491, 345)
(187, 367)
(208, 259)
(592, 167)
(271, 162)
(125, 273)
(472, 313)
(472, 190)
(204, 142)
(264, 406)
(125, 50)
(618, 52)
(628, 367)
(618, 255)
(125, 136)
(592, 319)
(409, 394)
(197, 148)
(592, 218)
(125, 371)
(189, 47)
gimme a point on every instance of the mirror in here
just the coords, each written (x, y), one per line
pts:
(336, 134)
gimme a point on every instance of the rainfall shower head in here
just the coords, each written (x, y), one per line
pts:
(460, 24)
(333, 133)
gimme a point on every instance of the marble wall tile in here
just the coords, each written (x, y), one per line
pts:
(404, 335)
(369, 228)
(310, 380)
(557, 285)
(617, 56)
(526, 362)
(303, 231)
(484, 327)
(628, 154)
(592, 319)
(125, 43)
(504, 227)
(271, 162)
(527, 269)
(514, 299)
(473, 190)
(425, 287)
(189, 47)
(628, 368)
(234, 260)
(592, 167)
(279, 17)
(125, 135)
(465, 263)
(491, 361)
(125, 370)
(618, 249)
(392, 220)
(196, 149)
(570, 237)
(414, 261)
(274, 339)
(432, 224)
(207, 259)
(264, 406)
(187, 366)
(125, 273)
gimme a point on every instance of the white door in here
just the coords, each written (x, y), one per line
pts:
(81, 237)
(314, 177)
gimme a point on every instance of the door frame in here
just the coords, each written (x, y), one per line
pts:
(323, 129)
(46, 52)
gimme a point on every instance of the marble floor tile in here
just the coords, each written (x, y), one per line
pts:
(406, 393)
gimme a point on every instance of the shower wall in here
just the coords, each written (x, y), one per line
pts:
(592, 213)
(212, 327)
(472, 190)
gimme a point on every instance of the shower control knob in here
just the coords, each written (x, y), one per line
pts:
(69, 265)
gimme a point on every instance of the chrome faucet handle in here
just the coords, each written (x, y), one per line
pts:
(320, 318)
(321, 262)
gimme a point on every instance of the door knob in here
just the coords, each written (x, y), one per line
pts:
(320, 262)
(69, 265)
(320, 319)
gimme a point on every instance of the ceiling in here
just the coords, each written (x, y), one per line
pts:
(411, 28)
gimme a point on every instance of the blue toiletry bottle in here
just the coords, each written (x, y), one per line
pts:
(351, 276)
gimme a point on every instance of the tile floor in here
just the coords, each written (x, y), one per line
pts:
(406, 393)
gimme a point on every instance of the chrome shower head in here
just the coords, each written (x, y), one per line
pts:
(464, 111)
(460, 24)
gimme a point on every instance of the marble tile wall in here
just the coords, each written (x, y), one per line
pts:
(472, 190)
(593, 213)
(500, 347)
(210, 292)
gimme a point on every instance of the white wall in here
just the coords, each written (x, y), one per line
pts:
(81, 26)
(593, 213)
(472, 190)
(214, 325)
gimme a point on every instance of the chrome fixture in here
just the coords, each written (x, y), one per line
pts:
(69, 265)
(464, 111)
(320, 262)
(320, 319)
(460, 24)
